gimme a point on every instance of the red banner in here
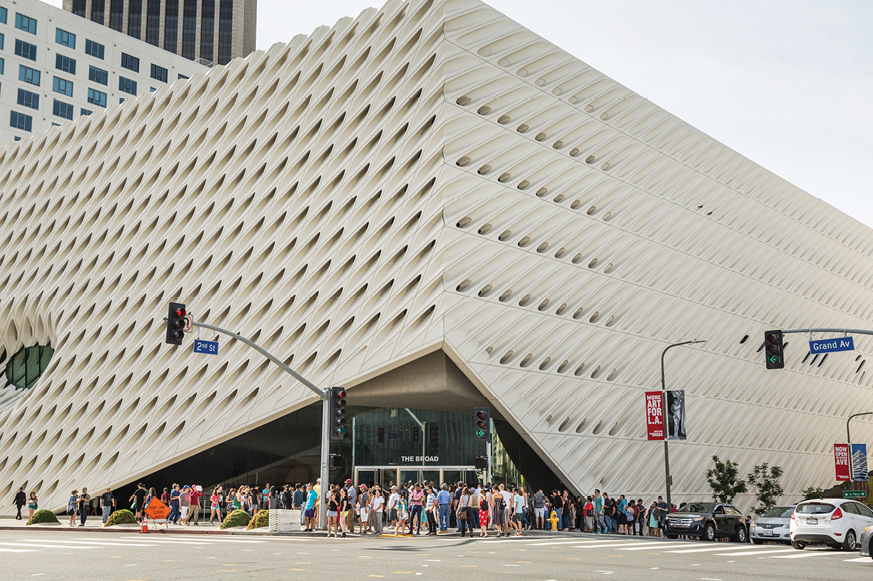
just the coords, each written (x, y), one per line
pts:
(841, 461)
(654, 415)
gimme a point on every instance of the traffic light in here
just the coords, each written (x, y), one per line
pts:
(416, 433)
(176, 323)
(433, 441)
(481, 462)
(380, 436)
(482, 424)
(773, 350)
(337, 412)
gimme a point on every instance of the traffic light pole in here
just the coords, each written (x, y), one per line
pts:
(325, 420)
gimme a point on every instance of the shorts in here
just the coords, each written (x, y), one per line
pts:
(516, 518)
(363, 514)
(540, 512)
(392, 514)
(331, 513)
(622, 519)
(310, 513)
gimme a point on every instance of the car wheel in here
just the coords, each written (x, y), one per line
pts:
(758, 541)
(796, 545)
(740, 537)
(709, 532)
(671, 537)
(850, 543)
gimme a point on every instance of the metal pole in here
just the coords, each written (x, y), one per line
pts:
(849, 442)
(668, 479)
(325, 470)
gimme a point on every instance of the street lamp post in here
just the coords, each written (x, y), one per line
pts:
(669, 478)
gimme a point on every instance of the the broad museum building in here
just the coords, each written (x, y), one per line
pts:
(437, 209)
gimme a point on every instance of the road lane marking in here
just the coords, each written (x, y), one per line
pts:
(611, 545)
(808, 554)
(760, 552)
(39, 546)
(711, 549)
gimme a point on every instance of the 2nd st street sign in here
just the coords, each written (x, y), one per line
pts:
(832, 345)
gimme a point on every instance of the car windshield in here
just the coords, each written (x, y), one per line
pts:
(697, 507)
(780, 512)
(815, 508)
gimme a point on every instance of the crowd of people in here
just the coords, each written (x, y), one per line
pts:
(504, 509)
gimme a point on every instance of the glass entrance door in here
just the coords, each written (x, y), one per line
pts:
(386, 476)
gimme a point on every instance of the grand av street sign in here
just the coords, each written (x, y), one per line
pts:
(832, 345)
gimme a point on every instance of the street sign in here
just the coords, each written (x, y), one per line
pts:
(208, 347)
(832, 345)
(854, 494)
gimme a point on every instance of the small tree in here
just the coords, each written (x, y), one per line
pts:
(811, 493)
(765, 479)
(723, 480)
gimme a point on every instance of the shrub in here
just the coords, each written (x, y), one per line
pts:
(261, 519)
(42, 516)
(238, 518)
(120, 517)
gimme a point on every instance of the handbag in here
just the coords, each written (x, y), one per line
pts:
(462, 515)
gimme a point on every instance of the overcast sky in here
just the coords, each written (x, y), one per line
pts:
(787, 83)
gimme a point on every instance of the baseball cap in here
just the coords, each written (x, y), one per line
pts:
(186, 487)
(348, 480)
(393, 488)
(363, 487)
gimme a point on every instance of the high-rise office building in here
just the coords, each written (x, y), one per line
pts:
(212, 30)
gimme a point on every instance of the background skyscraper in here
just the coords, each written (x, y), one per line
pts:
(213, 30)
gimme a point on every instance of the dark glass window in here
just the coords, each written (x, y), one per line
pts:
(134, 19)
(153, 22)
(28, 99)
(130, 62)
(207, 28)
(98, 8)
(189, 29)
(64, 38)
(2, 41)
(84, 111)
(78, 8)
(2, 66)
(62, 109)
(25, 50)
(159, 73)
(98, 75)
(181, 77)
(96, 97)
(28, 364)
(25, 23)
(171, 25)
(3, 13)
(19, 121)
(62, 86)
(116, 15)
(225, 31)
(126, 85)
(94, 49)
(65, 63)
(28, 75)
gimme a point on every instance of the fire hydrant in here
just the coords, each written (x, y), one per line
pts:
(553, 518)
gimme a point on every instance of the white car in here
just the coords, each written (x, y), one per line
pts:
(774, 525)
(835, 522)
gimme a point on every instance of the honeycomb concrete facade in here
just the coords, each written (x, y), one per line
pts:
(426, 176)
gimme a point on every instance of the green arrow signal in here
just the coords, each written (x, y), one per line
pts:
(480, 433)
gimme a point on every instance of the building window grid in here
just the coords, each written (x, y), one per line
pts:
(62, 86)
(3, 15)
(25, 23)
(207, 26)
(159, 73)
(29, 75)
(28, 99)
(20, 121)
(225, 31)
(94, 49)
(62, 109)
(96, 97)
(83, 111)
(127, 85)
(171, 25)
(189, 29)
(130, 62)
(134, 19)
(64, 38)
(25, 50)
(98, 75)
(98, 8)
(65, 63)
(116, 15)
(153, 22)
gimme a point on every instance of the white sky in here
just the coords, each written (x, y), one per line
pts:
(787, 83)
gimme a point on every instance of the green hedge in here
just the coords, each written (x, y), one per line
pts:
(261, 519)
(120, 517)
(42, 516)
(238, 518)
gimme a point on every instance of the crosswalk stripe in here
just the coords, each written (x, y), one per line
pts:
(666, 546)
(707, 550)
(31, 545)
(759, 552)
(569, 543)
(86, 543)
(807, 554)
(17, 551)
(858, 560)
(611, 545)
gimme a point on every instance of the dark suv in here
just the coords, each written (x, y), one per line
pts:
(707, 521)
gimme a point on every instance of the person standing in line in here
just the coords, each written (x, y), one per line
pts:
(344, 507)
(19, 501)
(654, 518)
(273, 499)
(402, 513)
(539, 504)
(311, 496)
(558, 507)
(363, 507)
(416, 500)
(215, 507)
(622, 515)
(607, 513)
(445, 505)
(84, 505)
(432, 509)
(72, 503)
(520, 506)
(598, 512)
(107, 503)
(589, 515)
(332, 511)
(299, 500)
(377, 505)
(138, 499)
(662, 512)
(393, 499)
(353, 502)
(32, 504)
(638, 510)
(317, 489)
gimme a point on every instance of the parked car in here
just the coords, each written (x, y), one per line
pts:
(864, 542)
(774, 525)
(835, 522)
(707, 521)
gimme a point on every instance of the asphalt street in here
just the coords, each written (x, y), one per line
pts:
(67, 555)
